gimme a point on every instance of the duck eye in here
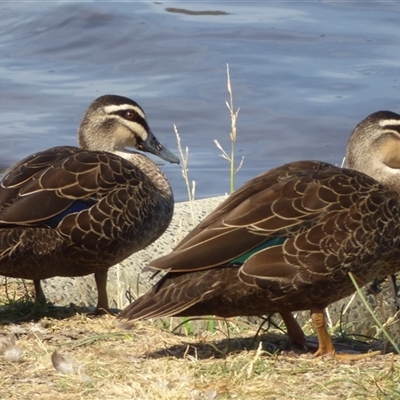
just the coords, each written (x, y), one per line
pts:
(130, 115)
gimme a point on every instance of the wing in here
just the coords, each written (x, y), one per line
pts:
(48, 185)
(278, 203)
(331, 221)
(352, 216)
(23, 198)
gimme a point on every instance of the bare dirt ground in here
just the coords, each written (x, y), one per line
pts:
(52, 352)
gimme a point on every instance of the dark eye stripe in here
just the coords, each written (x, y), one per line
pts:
(137, 118)
(395, 128)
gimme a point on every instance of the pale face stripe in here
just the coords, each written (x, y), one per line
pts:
(389, 122)
(124, 107)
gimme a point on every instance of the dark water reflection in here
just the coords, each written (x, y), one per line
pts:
(303, 75)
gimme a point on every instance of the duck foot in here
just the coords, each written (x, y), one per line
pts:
(345, 356)
(98, 312)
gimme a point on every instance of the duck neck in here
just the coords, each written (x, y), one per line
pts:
(149, 168)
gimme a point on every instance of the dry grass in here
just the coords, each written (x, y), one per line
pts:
(233, 135)
(150, 362)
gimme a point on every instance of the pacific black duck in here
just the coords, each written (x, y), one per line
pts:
(286, 240)
(70, 211)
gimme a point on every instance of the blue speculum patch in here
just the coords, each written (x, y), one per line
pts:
(76, 207)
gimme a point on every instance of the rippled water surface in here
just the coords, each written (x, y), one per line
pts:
(303, 74)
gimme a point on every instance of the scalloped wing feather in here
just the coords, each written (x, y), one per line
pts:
(233, 228)
(45, 184)
(335, 244)
(313, 205)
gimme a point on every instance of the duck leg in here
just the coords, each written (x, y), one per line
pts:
(101, 284)
(326, 346)
(295, 333)
(100, 277)
(324, 339)
(39, 294)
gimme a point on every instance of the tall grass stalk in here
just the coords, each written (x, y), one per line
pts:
(363, 299)
(185, 172)
(120, 297)
(233, 135)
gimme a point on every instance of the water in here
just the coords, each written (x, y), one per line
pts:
(303, 74)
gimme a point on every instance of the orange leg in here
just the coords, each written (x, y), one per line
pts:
(325, 341)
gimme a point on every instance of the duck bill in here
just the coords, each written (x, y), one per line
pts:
(152, 145)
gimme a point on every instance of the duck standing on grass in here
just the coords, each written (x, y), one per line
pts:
(70, 211)
(287, 240)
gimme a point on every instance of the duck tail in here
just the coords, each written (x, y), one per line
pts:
(171, 296)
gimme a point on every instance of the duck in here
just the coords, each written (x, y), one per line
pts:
(287, 240)
(74, 211)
